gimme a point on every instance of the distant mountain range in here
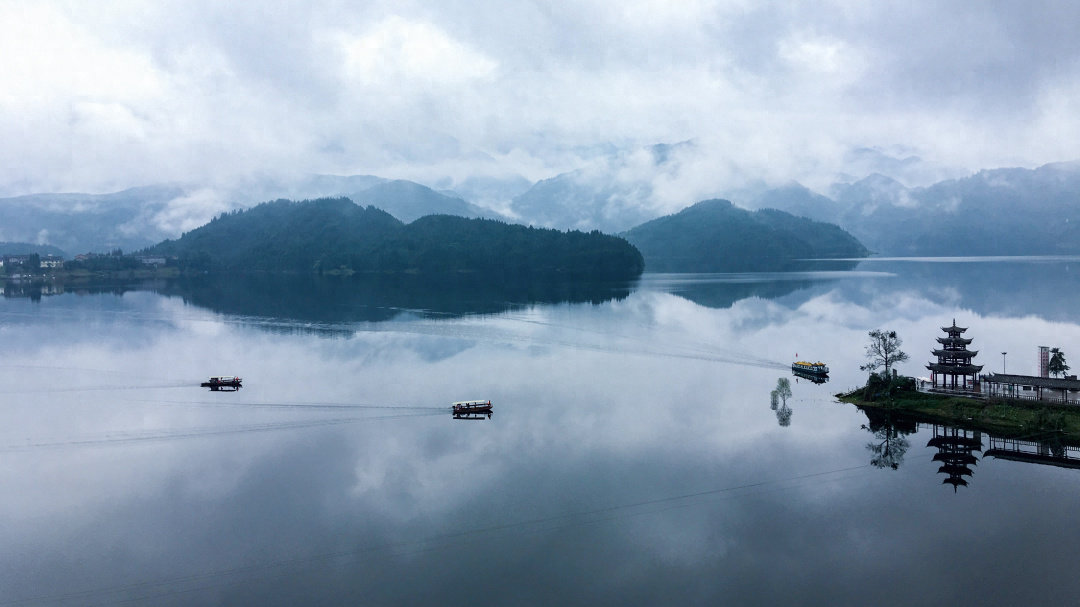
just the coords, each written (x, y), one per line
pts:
(612, 194)
(140, 217)
(79, 223)
(409, 201)
(716, 236)
(992, 212)
(1010, 211)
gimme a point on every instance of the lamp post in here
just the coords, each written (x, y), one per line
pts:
(1003, 362)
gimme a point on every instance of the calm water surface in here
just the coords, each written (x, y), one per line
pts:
(632, 458)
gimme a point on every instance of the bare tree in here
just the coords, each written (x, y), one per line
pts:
(1057, 362)
(883, 351)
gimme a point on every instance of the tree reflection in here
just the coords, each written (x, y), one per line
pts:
(778, 401)
(783, 416)
(889, 444)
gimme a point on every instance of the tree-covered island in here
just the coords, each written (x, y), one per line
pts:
(717, 236)
(335, 235)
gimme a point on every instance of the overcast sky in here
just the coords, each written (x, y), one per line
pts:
(101, 96)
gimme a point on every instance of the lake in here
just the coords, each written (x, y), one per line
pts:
(632, 457)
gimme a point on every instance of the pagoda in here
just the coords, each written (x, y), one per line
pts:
(953, 366)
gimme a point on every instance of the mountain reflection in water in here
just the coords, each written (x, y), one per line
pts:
(1009, 286)
(375, 298)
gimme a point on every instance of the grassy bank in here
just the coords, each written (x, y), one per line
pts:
(1008, 419)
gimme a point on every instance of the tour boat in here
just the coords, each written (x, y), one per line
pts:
(223, 382)
(817, 369)
(472, 409)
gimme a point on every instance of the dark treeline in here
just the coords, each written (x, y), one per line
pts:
(716, 236)
(338, 236)
(114, 261)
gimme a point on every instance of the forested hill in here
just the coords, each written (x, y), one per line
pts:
(716, 236)
(25, 248)
(338, 235)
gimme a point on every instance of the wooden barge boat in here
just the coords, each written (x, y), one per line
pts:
(471, 409)
(223, 382)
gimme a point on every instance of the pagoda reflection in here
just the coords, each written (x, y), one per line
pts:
(956, 448)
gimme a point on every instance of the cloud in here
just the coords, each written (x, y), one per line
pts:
(45, 55)
(102, 98)
(189, 212)
(399, 53)
(817, 55)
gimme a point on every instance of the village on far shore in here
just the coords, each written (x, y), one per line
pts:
(35, 274)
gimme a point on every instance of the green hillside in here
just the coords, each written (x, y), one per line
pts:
(716, 236)
(337, 235)
(25, 248)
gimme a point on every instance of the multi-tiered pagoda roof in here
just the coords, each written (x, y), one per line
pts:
(965, 354)
(953, 364)
(954, 342)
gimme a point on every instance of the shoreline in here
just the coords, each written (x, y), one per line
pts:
(64, 276)
(1003, 418)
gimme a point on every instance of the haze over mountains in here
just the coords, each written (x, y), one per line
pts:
(895, 204)
(614, 192)
(993, 212)
(140, 217)
(542, 114)
(1010, 211)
